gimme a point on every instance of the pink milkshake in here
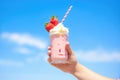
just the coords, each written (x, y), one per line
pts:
(58, 40)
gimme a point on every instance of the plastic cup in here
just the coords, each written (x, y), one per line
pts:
(58, 43)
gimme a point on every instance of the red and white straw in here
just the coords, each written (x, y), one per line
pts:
(66, 14)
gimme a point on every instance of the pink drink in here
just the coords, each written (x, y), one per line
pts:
(58, 43)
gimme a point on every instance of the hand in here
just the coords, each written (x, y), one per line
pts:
(76, 69)
(67, 67)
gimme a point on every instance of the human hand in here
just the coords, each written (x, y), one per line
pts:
(67, 67)
(76, 69)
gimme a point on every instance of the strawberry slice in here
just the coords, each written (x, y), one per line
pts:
(54, 20)
(49, 26)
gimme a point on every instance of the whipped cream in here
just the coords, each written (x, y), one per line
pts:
(59, 29)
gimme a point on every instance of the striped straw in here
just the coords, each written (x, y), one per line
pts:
(66, 14)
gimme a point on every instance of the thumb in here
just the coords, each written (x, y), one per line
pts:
(69, 50)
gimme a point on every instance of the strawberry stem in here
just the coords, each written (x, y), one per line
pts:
(54, 17)
(46, 24)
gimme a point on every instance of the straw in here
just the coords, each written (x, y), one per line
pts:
(66, 14)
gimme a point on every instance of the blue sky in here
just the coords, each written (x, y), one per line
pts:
(94, 36)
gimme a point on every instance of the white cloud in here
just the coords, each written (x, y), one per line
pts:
(25, 39)
(40, 57)
(98, 55)
(22, 50)
(10, 63)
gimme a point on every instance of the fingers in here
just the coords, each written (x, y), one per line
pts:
(49, 51)
(49, 54)
(49, 48)
(49, 60)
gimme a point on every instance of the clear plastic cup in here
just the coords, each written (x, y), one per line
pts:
(58, 43)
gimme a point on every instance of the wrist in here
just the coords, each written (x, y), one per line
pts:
(77, 69)
(79, 72)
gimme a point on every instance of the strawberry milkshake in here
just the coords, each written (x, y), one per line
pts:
(58, 40)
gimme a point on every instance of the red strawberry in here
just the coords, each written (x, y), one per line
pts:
(49, 26)
(54, 20)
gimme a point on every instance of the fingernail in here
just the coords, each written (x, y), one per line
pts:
(67, 43)
(49, 51)
(49, 48)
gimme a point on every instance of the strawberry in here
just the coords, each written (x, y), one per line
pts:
(49, 26)
(54, 20)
